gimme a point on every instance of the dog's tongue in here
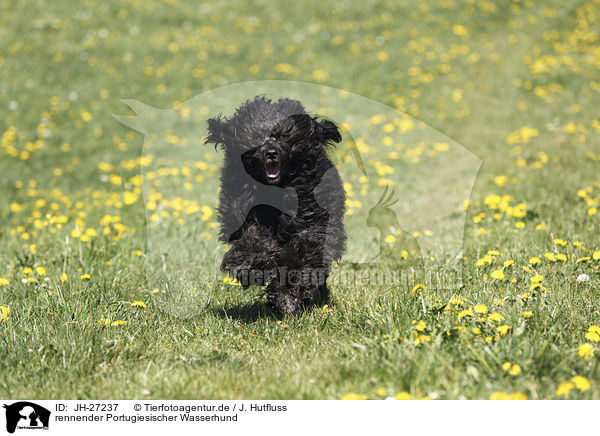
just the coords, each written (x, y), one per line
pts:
(272, 169)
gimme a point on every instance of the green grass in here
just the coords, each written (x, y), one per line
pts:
(65, 66)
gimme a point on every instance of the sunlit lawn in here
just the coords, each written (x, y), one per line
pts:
(515, 82)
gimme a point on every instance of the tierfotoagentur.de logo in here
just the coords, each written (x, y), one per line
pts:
(26, 415)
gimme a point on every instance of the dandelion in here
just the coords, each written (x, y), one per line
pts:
(390, 239)
(457, 300)
(535, 260)
(418, 289)
(495, 317)
(586, 350)
(527, 314)
(501, 395)
(354, 396)
(511, 368)
(596, 255)
(231, 281)
(104, 321)
(503, 329)
(4, 281)
(402, 396)
(581, 383)
(497, 274)
(514, 370)
(118, 323)
(536, 279)
(481, 309)
(41, 271)
(64, 277)
(138, 303)
(85, 277)
(564, 389)
(508, 263)
(593, 333)
(464, 313)
(4, 311)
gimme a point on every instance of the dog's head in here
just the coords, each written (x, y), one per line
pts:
(272, 139)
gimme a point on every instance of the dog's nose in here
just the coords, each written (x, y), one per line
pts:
(271, 154)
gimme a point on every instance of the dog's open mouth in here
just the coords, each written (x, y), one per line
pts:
(272, 170)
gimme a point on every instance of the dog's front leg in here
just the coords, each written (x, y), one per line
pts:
(252, 258)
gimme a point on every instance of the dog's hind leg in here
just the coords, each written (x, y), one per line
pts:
(302, 275)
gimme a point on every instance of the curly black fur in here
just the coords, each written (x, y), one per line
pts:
(281, 203)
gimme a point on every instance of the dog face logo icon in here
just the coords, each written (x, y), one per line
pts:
(26, 415)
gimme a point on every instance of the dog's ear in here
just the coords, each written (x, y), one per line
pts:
(328, 132)
(218, 131)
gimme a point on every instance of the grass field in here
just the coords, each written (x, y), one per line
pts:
(515, 83)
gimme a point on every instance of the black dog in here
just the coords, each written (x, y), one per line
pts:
(281, 203)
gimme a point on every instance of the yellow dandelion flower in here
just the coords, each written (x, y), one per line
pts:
(535, 260)
(85, 277)
(497, 274)
(118, 323)
(508, 263)
(231, 281)
(481, 309)
(527, 314)
(503, 329)
(457, 300)
(564, 389)
(536, 279)
(354, 396)
(586, 350)
(581, 383)
(561, 257)
(499, 395)
(514, 370)
(418, 289)
(464, 313)
(27, 271)
(460, 30)
(583, 259)
(495, 317)
(4, 312)
(104, 321)
(138, 303)
(64, 277)
(4, 281)
(402, 396)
